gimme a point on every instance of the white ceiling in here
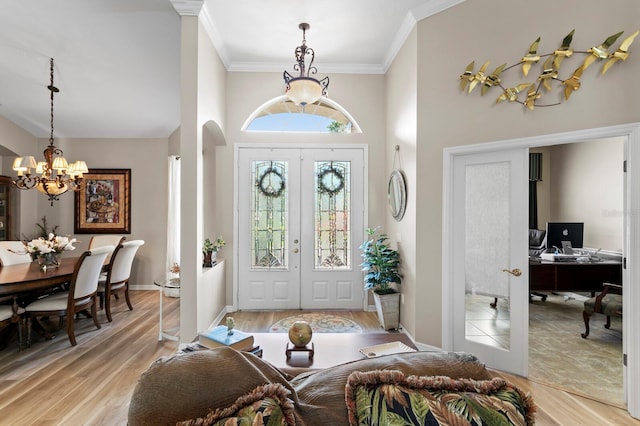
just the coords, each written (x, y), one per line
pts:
(117, 61)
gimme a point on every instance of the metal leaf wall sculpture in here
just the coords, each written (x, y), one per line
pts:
(530, 93)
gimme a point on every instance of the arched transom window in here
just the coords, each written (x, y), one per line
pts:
(281, 115)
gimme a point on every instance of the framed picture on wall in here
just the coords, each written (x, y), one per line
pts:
(103, 205)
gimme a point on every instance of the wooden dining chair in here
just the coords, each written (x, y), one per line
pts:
(105, 240)
(10, 313)
(81, 297)
(117, 280)
(13, 253)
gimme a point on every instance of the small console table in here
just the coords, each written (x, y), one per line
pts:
(173, 284)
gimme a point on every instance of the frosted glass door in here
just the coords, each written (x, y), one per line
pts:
(490, 272)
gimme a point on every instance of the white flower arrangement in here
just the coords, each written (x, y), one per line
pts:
(52, 244)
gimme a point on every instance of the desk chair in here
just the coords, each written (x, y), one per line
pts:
(82, 294)
(536, 247)
(608, 303)
(13, 252)
(117, 280)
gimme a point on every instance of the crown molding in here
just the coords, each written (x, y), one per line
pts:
(215, 37)
(416, 14)
(322, 68)
(433, 7)
(400, 38)
(187, 7)
(428, 9)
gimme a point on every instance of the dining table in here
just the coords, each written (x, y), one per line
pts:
(28, 277)
(24, 278)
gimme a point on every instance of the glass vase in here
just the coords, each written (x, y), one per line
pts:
(49, 260)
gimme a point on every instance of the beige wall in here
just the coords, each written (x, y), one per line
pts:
(583, 182)
(16, 141)
(401, 118)
(211, 121)
(587, 186)
(499, 31)
(202, 118)
(148, 196)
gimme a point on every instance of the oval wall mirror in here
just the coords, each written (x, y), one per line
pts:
(397, 194)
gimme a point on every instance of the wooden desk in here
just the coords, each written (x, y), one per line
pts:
(330, 348)
(25, 277)
(572, 275)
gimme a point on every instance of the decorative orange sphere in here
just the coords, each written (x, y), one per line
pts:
(300, 333)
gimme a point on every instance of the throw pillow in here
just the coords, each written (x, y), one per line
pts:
(386, 397)
(265, 405)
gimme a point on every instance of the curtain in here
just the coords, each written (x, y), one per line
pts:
(533, 204)
(535, 176)
(173, 214)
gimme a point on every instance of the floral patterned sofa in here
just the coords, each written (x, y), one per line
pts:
(224, 385)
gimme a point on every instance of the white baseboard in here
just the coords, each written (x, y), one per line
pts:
(144, 287)
(420, 346)
(218, 318)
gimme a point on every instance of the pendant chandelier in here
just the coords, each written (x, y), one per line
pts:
(53, 176)
(304, 90)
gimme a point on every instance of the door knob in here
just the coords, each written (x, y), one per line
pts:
(515, 272)
(295, 250)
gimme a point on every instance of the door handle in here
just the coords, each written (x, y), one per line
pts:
(295, 250)
(515, 272)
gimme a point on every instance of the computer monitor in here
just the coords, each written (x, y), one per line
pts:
(559, 232)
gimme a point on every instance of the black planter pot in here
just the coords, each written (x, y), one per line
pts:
(209, 259)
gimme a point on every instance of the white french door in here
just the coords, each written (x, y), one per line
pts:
(487, 257)
(300, 223)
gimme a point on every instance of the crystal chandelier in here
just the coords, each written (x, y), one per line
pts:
(53, 176)
(304, 90)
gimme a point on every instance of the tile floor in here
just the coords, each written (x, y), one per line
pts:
(558, 355)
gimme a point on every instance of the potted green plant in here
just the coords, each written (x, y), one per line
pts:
(210, 251)
(382, 267)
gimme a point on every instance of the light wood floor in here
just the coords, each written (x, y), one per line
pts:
(53, 383)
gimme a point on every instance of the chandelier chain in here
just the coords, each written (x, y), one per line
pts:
(53, 89)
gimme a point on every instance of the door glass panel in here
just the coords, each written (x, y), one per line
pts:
(269, 215)
(332, 208)
(487, 244)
